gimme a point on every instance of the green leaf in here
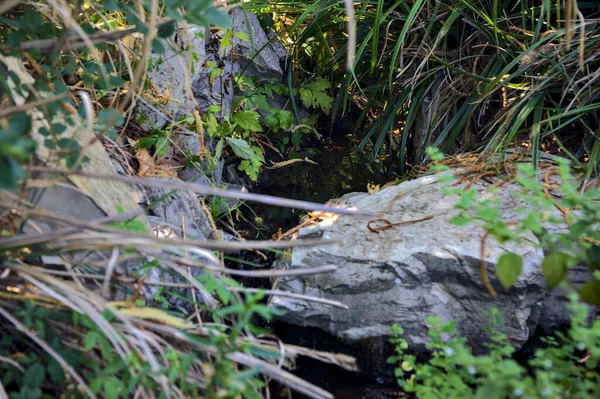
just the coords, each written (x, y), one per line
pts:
(459, 220)
(146, 142)
(593, 258)
(105, 348)
(219, 149)
(166, 30)
(218, 18)
(533, 222)
(248, 120)
(509, 269)
(285, 119)
(223, 294)
(90, 340)
(242, 149)
(213, 109)
(554, 268)
(11, 172)
(28, 393)
(112, 388)
(34, 375)
(56, 372)
(296, 137)
(157, 46)
(272, 122)
(590, 292)
(162, 145)
(466, 199)
(243, 36)
(319, 84)
(96, 384)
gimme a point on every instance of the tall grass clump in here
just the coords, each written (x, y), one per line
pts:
(457, 75)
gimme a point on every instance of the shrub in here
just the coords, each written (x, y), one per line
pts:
(566, 368)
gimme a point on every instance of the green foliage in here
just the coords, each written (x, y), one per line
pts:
(156, 140)
(94, 353)
(27, 27)
(314, 95)
(59, 338)
(452, 73)
(509, 268)
(561, 369)
(237, 131)
(15, 147)
(575, 238)
(134, 225)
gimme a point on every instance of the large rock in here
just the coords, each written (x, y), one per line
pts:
(409, 272)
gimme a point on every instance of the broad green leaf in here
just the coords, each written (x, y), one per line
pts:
(554, 268)
(157, 46)
(218, 18)
(590, 292)
(11, 172)
(242, 149)
(272, 122)
(112, 388)
(248, 120)
(166, 30)
(466, 199)
(243, 36)
(285, 119)
(34, 375)
(56, 372)
(509, 269)
(223, 294)
(162, 145)
(319, 84)
(146, 142)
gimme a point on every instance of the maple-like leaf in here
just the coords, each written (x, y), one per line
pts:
(248, 120)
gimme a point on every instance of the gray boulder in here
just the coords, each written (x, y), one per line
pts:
(409, 272)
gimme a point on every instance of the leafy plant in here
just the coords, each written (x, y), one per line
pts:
(60, 337)
(567, 367)
(157, 139)
(573, 211)
(314, 95)
(453, 75)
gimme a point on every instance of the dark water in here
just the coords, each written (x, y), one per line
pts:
(339, 170)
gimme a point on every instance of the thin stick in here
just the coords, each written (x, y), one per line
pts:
(207, 190)
(283, 294)
(122, 237)
(483, 268)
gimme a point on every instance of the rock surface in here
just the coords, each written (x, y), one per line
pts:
(409, 272)
(181, 80)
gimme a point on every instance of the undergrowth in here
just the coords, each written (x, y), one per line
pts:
(456, 75)
(566, 367)
(82, 313)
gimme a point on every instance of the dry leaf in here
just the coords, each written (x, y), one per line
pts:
(147, 166)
